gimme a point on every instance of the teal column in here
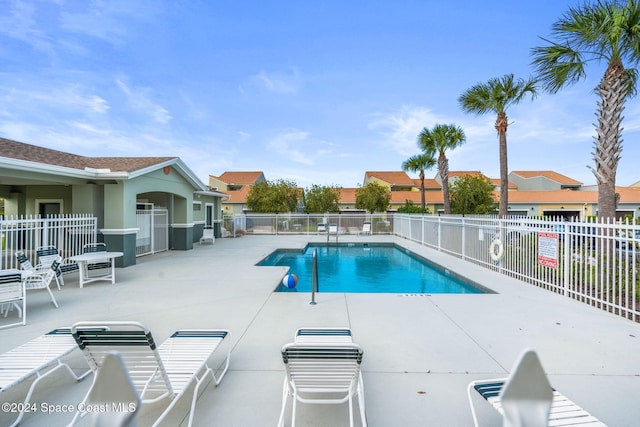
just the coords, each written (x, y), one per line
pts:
(121, 241)
(182, 236)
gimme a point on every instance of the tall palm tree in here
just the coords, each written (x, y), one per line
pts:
(418, 163)
(438, 140)
(496, 96)
(600, 32)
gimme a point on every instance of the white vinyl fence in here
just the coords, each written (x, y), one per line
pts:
(68, 233)
(593, 263)
(275, 224)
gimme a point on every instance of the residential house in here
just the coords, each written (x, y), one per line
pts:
(236, 185)
(531, 193)
(40, 181)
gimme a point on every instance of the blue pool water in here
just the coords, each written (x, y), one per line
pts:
(367, 269)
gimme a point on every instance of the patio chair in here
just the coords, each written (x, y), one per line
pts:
(114, 388)
(323, 336)
(158, 372)
(100, 264)
(526, 399)
(322, 374)
(366, 228)
(39, 357)
(39, 269)
(48, 254)
(43, 280)
(207, 236)
(12, 295)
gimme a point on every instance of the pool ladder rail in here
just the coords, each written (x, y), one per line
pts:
(315, 286)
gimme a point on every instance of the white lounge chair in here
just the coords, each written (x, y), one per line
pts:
(526, 399)
(207, 236)
(114, 390)
(39, 357)
(322, 374)
(366, 228)
(158, 372)
(12, 294)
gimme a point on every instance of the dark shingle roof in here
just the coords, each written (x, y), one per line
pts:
(33, 153)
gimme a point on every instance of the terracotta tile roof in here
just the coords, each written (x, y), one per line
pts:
(32, 153)
(392, 178)
(429, 184)
(400, 197)
(240, 178)
(554, 176)
(496, 182)
(238, 196)
(348, 195)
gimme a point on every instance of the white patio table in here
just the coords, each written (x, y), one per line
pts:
(83, 261)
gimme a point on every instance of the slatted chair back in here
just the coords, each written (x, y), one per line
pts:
(315, 369)
(323, 336)
(12, 292)
(322, 373)
(138, 351)
(96, 248)
(24, 262)
(46, 255)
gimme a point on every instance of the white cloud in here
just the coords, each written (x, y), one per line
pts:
(400, 129)
(19, 94)
(109, 20)
(283, 83)
(140, 100)
(21, 24)
(289, 143)
(300, 147)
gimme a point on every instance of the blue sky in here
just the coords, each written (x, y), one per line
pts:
(315, 92)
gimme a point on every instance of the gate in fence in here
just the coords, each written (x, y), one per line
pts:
(153, 230)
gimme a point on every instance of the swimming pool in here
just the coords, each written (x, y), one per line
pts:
(367, 268)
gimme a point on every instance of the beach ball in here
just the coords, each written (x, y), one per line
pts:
(290, 281)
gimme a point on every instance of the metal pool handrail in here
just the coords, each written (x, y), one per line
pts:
(314, 278)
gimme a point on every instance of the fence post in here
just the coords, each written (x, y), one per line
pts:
(464, 238)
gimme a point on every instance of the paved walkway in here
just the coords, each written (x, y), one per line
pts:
(421, 351)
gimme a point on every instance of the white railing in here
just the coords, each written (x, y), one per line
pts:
(68, 233)
(275, 224)
(593, 263)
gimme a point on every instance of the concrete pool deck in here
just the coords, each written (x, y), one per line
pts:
(421, 351)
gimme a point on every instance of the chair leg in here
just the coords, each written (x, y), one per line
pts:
(53, 299)
(470, 391)
(363, 415)
(285, 399)
(350, 409)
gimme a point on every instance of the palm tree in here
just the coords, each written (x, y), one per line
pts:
(496, 96)
(438, 140)
(604, 31)
(418, 163)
